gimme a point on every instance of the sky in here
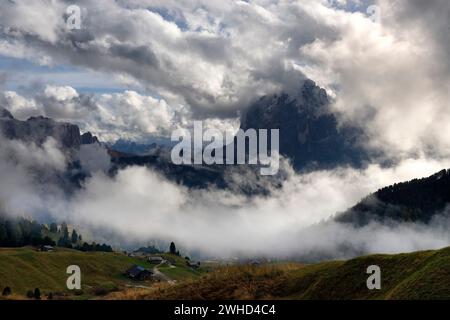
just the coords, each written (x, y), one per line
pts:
(136, 63)
(141, 68)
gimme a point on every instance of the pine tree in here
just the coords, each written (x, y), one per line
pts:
(37, 294)
(53, 228)
(74, 236)
(173, 248)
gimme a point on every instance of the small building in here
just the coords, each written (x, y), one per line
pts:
(136, 254)
(138, 273)
(46, 248)
(193, 264)
(155, 259)
(255, 262)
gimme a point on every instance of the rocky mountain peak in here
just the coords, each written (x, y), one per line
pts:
(5, 113)
(309, 133)
(39, 129)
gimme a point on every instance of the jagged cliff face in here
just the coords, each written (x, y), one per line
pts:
(74, 148)
(39, 129)
(309, 133)
(5, 114)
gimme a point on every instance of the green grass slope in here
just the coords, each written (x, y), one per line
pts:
(178, 270)
(419, 275)
(24, 269)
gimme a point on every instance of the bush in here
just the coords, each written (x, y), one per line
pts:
(99, 291)
(105, 289)
(50, 296)
(30, 294)
(37, 294)
(78, 292)
(7, 291)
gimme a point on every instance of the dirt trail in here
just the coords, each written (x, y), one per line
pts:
(161, 276)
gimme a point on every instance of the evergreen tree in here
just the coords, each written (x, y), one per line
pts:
(74, 236)
(53, 228)
(64, 240)
(37, 294)
(173, 248)
(65, 232)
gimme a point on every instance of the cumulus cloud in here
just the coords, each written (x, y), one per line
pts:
(390, 77)
(212, 58)
(125, 115)
(110, 116)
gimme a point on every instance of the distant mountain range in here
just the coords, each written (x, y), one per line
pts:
(39, 129)
(309, 132)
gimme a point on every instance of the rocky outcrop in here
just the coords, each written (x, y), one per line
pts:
(39, 129)
(88, 138)
(5, 114)
(309, 132)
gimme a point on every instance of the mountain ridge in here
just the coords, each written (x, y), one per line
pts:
(39, 129)
(417, 200)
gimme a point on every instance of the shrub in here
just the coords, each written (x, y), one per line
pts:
(6, 291)
(99, 291)
(105, 289)
(78, 292)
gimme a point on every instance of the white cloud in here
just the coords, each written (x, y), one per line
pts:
(125, 115)
(94, 158)
(60, 93)
(140, 205)
(27, 176)
(389, 78)
(211, 58)
(109, 116)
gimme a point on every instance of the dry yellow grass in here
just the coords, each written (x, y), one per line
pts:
(417, 275)
(229, 282)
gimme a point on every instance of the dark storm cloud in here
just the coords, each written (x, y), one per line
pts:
(142, 55)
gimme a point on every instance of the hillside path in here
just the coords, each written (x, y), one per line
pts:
(161, 276)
